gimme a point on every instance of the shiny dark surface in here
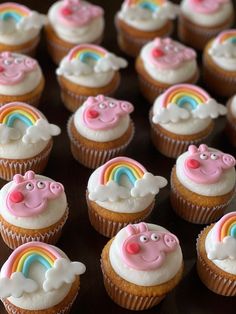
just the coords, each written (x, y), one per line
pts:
(79, 240)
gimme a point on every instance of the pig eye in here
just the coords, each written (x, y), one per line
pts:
(7, 62)
(18, 61)
(154, 237)
(29, 186)
(40, 185)
(143, 239)
(203, 156)
(102, 106)
(112, 104)
(214, 156)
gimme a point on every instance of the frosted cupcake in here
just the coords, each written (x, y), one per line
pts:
(163, 63)
(39, 278)
(33, 208)
(140, 265)
(88, 70)
(72, 22)
(219, 64)
(120, 192)
(216, 249)
(201, 20)
(21, 79)
(25, 139)
(231, 121)
(181, 116)
(138, 22)
(19, 28)
(202, 184)
(100, 130)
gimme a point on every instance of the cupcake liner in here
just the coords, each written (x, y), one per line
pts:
(14, 239)
(93, 158)
(10, 167)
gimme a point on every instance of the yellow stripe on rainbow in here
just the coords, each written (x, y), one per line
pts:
(226, 228)
(84, 51)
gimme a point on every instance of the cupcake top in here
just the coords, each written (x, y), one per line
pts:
(18, 24)
(145, 254)
(147, 15)
(123, 185)
(32, 201)
(223, 50)
(168, 61)
(76, 21)
(24, 131)
(38, 276)
(220, 243)
(206, 171)
(185, 109)
(90, 66)
(103, 119)
(232, 107)
(19, 74)
(207, 12)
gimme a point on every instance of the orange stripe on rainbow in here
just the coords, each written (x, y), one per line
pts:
(82, 51)
(227, 36)
(226, 226)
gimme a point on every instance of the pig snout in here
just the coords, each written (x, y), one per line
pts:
(228, 161)
(170, 241)
(56, 188)
(126, 106)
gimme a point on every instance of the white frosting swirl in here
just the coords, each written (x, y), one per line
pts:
(233, 106)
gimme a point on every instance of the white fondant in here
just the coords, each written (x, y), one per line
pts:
(75, 35)
(225, 184)
(55, 210)
(111, 192)
(168, 76)
(233, 106)
(227, 264)
(73, 67)
(8, 134)
(34, 20)
(224, 55)
(213, 19)
(110, 62)
(223, 250)
(149, 184)
(211, 109)
(164, 273)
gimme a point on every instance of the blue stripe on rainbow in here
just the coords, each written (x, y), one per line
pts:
(226, 226)
(86, 52)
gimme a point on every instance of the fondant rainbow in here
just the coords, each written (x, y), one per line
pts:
(151, 5)
(87, 52)
(25, 255)
(185, 96)
(117, 167)
(13, 11)
(226, 226)
(227, 36)
(18, 111)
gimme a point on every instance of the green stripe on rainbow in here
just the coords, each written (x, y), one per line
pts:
(226, 226)
(13, 11)
(85, 52)
(151, 5)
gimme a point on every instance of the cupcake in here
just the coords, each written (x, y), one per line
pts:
(21, 79)
(70, 23)
(25, 139)
(163, 63)
(33, 208)
(181, 116)
(88, 70)
(39, 278)
(219, 64)
(121, 192)
(216, 250)
(202, 184)
(138, 22)
(230, 129)
(140, 265)
(100, 130)
(199, 21)
(19, 28)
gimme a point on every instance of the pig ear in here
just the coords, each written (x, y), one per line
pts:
(192, 149)
(100, 97)
(18, 178)
(6, 54)
(157, 41)
(29, 175)
(203, 148)
(142, 227)
(131, 230)
(90, 101)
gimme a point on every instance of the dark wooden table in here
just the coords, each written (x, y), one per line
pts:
(79, 240)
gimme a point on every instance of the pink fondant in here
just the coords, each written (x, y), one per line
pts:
(29, 196)
(102, 113)
(144, 249)
(205, 166)
(78, 13)
(207, 6)
(13, 68)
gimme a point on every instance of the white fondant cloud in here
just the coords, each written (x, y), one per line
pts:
(16, 286)
(34, 20)
(42, 130)
(110, 62)
(109, 192)
(172, 113)
(224, 249)
(209, 110)
(8, 134)
(74, 67)
(225, 50)
(149, 184)
(63, 271)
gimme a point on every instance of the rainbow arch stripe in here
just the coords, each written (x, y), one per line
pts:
(114, 169)
(27, 254)
(18, 111)
(86, 52)
(13, 11)
(227, 36)
(226, 226)
(185, 96)
(151, 5)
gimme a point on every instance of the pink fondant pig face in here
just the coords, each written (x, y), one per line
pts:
(205, 166)
(29, 196)
(207, 6)
(169, 54)
(103, 113)
(13, 67)
(144, 249)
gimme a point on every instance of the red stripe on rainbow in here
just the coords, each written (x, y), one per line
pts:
(80, 50)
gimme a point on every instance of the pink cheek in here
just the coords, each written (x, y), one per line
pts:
(92, 114)
(2, 69)
(193, 164)
(132, 248)
(66, 11)
(157, 53)
(16, 197)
